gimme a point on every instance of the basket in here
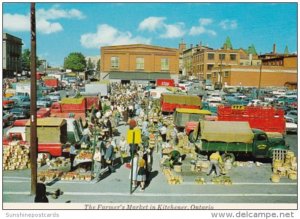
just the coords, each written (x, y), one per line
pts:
(177, 168)
(275, 178)
(293, 176)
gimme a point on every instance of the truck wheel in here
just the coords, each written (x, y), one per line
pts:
(228, 156)
(191, 137)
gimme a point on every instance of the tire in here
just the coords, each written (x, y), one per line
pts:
(228, 156)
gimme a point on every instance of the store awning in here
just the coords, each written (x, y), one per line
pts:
(139, 75)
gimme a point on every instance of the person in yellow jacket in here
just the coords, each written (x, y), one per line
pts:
(215, 161)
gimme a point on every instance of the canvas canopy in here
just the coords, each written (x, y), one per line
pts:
(182, 99)
(225, 131)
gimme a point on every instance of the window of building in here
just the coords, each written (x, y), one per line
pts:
(114, 62)
(226, 74)
(140, 63)
(209, 67)
(232, 57)
(208, 76)
(221, 56)
(214, 74)
(210, 56)
(165, 64)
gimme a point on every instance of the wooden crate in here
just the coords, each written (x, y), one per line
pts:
(279, 154)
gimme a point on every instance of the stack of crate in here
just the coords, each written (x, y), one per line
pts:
(16, 157)
(284, 166)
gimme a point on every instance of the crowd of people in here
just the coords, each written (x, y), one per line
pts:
(124, 103)
(127, 102)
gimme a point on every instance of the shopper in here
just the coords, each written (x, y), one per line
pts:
(73, 154)
(41, 194)
(97, 164)
(124, 149)
(215, 161)
(109, 154)
(134, 170)
(163, 132)
(141, 177)
(86, 134)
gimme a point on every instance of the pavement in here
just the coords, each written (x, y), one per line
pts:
(251, 184)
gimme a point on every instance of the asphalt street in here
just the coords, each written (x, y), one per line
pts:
(251, 184)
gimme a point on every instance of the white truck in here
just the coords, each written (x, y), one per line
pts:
(96, 88)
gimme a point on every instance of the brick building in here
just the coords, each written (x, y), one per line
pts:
(139, 62)
(11, 55)
(255, 75)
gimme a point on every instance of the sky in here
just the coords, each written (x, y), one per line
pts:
(63, 28)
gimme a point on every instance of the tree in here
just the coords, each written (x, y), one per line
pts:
(98, 65)
(26, 60)
(75, 61)
(90, 65)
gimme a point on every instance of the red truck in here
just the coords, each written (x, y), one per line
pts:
(268, 119)
(73, 107)
(169, 102)
(165, 82)
(51, 82)
(43, 112)
(51, 133)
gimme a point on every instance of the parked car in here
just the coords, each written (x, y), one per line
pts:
(215, 96)
(54, 97)
(43, 102)
(255, 102)
(20, 113)
(7, 119)
(20, 99)
(292, 114)
(7, 103)
(290, 125)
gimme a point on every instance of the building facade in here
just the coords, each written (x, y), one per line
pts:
(11, 55)
(187, 60)
(255, 76)
(204, 60)
(139, 62)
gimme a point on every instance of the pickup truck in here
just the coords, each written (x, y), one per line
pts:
(234, 139)
(169, 102)
(51, 134)
(73, 107)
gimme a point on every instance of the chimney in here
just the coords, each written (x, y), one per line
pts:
(274, 48)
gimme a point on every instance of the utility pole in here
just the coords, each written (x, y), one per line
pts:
(33, 122)
(259, 82)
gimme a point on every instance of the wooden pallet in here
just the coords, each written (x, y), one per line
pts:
(279, 154)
